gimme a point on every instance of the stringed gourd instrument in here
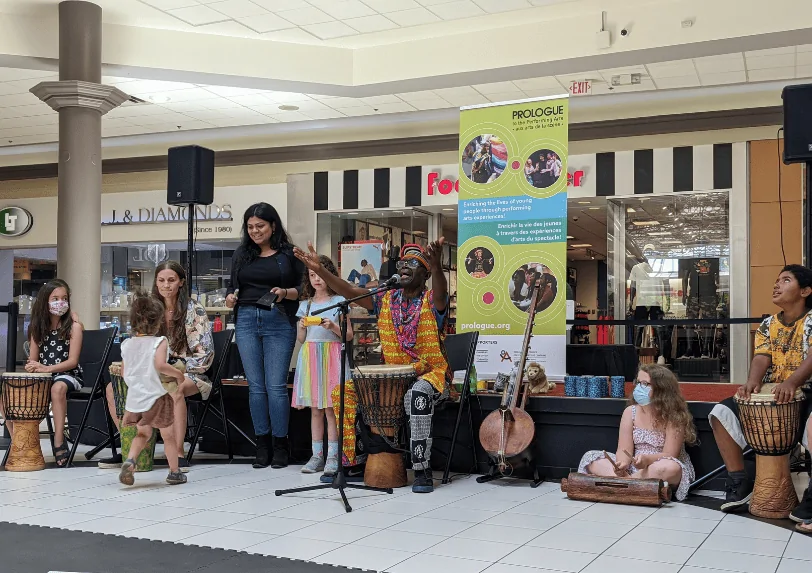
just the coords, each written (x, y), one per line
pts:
(507, 432)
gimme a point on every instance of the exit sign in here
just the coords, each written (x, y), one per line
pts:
(583, 87)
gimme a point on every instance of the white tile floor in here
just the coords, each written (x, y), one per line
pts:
(465, 527)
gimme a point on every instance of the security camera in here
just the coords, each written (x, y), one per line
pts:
(624, 32)
(575, 218)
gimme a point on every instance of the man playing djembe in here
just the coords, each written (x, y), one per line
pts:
(411, 323)
(781, 356)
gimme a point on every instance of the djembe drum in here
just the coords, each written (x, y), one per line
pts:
(26, 397)
(381, 391)
(772, 430)
(146, 458)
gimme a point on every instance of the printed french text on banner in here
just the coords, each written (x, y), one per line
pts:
(513, 230)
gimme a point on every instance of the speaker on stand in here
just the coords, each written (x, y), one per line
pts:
(190, 182)
(798, 149)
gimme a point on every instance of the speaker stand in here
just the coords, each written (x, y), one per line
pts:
(190, 246)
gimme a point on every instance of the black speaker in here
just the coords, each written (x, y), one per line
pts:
(797, 123)
(191, 176)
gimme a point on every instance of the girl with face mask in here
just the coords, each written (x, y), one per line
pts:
(55, 336)
(654, 429)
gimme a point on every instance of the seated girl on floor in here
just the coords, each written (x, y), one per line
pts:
(654, 429)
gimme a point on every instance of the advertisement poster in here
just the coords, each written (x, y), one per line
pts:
(513, 230)
(360, 262)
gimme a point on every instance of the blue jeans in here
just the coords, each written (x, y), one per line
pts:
(266, 339)
(362, 279)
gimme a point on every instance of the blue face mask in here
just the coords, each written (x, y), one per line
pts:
(642, 394)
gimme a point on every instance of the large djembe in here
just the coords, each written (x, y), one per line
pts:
(381, 391)
(26, 397)
(772, 430)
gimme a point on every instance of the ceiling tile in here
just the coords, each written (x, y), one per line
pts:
(381, 100)
(608, 74)
(714, 79)
(803, 59)
(11, 74)
(114, 80)
(207, 114)
(198, 15)
(786, 51)
(177, 95)
(417, 96)
(804, 48)
(238, 122)
(228, 91)
(505, 97)
(286, 97)
(783, 73)
(228, 28)
(433, 2)
(462, 96)
(293, 35)
(496, 87)
(212, 103)
(767, 62)
(668, 83)
(170, 4)
(384, 6)
(266, 23)
(544, 92)
(720, 64)
(495, 6)
(329, 30)
(401, 107)
(675, 69)
(566, 79)
(344, 102)
(434, 103)
(328, 113)
(538, 84)
(139, 87)
(174, 119)
(548, 2)
(370, 24)
(251, 99)
(457, 10)
(306, 106)
(358, 111)
(289, 116)
(346, 9)
(802, 72)
(13, 100)
(413, 17)
(279, 5)
(19, 86)
(305, 16)
(238, 8)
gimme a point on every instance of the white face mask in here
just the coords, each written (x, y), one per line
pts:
(58, 307)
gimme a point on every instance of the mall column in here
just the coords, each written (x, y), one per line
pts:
(81, 100)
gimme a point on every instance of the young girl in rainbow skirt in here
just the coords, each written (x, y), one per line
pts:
(319, 367)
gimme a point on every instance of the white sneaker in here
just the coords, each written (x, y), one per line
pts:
(331, 467)
(315, 465)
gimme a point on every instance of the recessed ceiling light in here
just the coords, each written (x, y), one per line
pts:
(449, 209)
(594, 208)
(289, 107)
(631, 210)
(352, 213)
(646, 223)
(583, 202)
(159, 98)
(581, 246)
(570, 237)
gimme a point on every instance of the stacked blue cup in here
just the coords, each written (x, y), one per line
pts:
(603, 386)
(618, 389)
(581, 386)
(570, 386)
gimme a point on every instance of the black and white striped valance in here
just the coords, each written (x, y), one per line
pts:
(622, 173)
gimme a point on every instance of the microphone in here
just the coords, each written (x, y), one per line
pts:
(391, 283)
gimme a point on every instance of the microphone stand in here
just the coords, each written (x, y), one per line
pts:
(340, 479)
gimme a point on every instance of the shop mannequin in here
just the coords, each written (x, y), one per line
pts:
(647, 295)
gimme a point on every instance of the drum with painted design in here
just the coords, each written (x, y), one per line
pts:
(26, 397)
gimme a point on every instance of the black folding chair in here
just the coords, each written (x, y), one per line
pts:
(96, 345)
(461, 350)
(222, 344)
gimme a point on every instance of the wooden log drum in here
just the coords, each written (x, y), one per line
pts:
(26, 397)
(381, 391)
(627, 491)
(146, 459)
(772, 430)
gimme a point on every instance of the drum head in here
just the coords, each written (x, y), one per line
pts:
(766, 395)
(27, 375)
(386, 370)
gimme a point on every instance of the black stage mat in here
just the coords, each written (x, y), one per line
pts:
(32, 549)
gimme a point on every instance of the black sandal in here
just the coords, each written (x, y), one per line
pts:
(61, 455)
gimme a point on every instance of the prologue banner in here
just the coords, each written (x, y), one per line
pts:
(513, 230)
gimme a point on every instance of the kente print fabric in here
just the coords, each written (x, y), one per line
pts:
(787, 345)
